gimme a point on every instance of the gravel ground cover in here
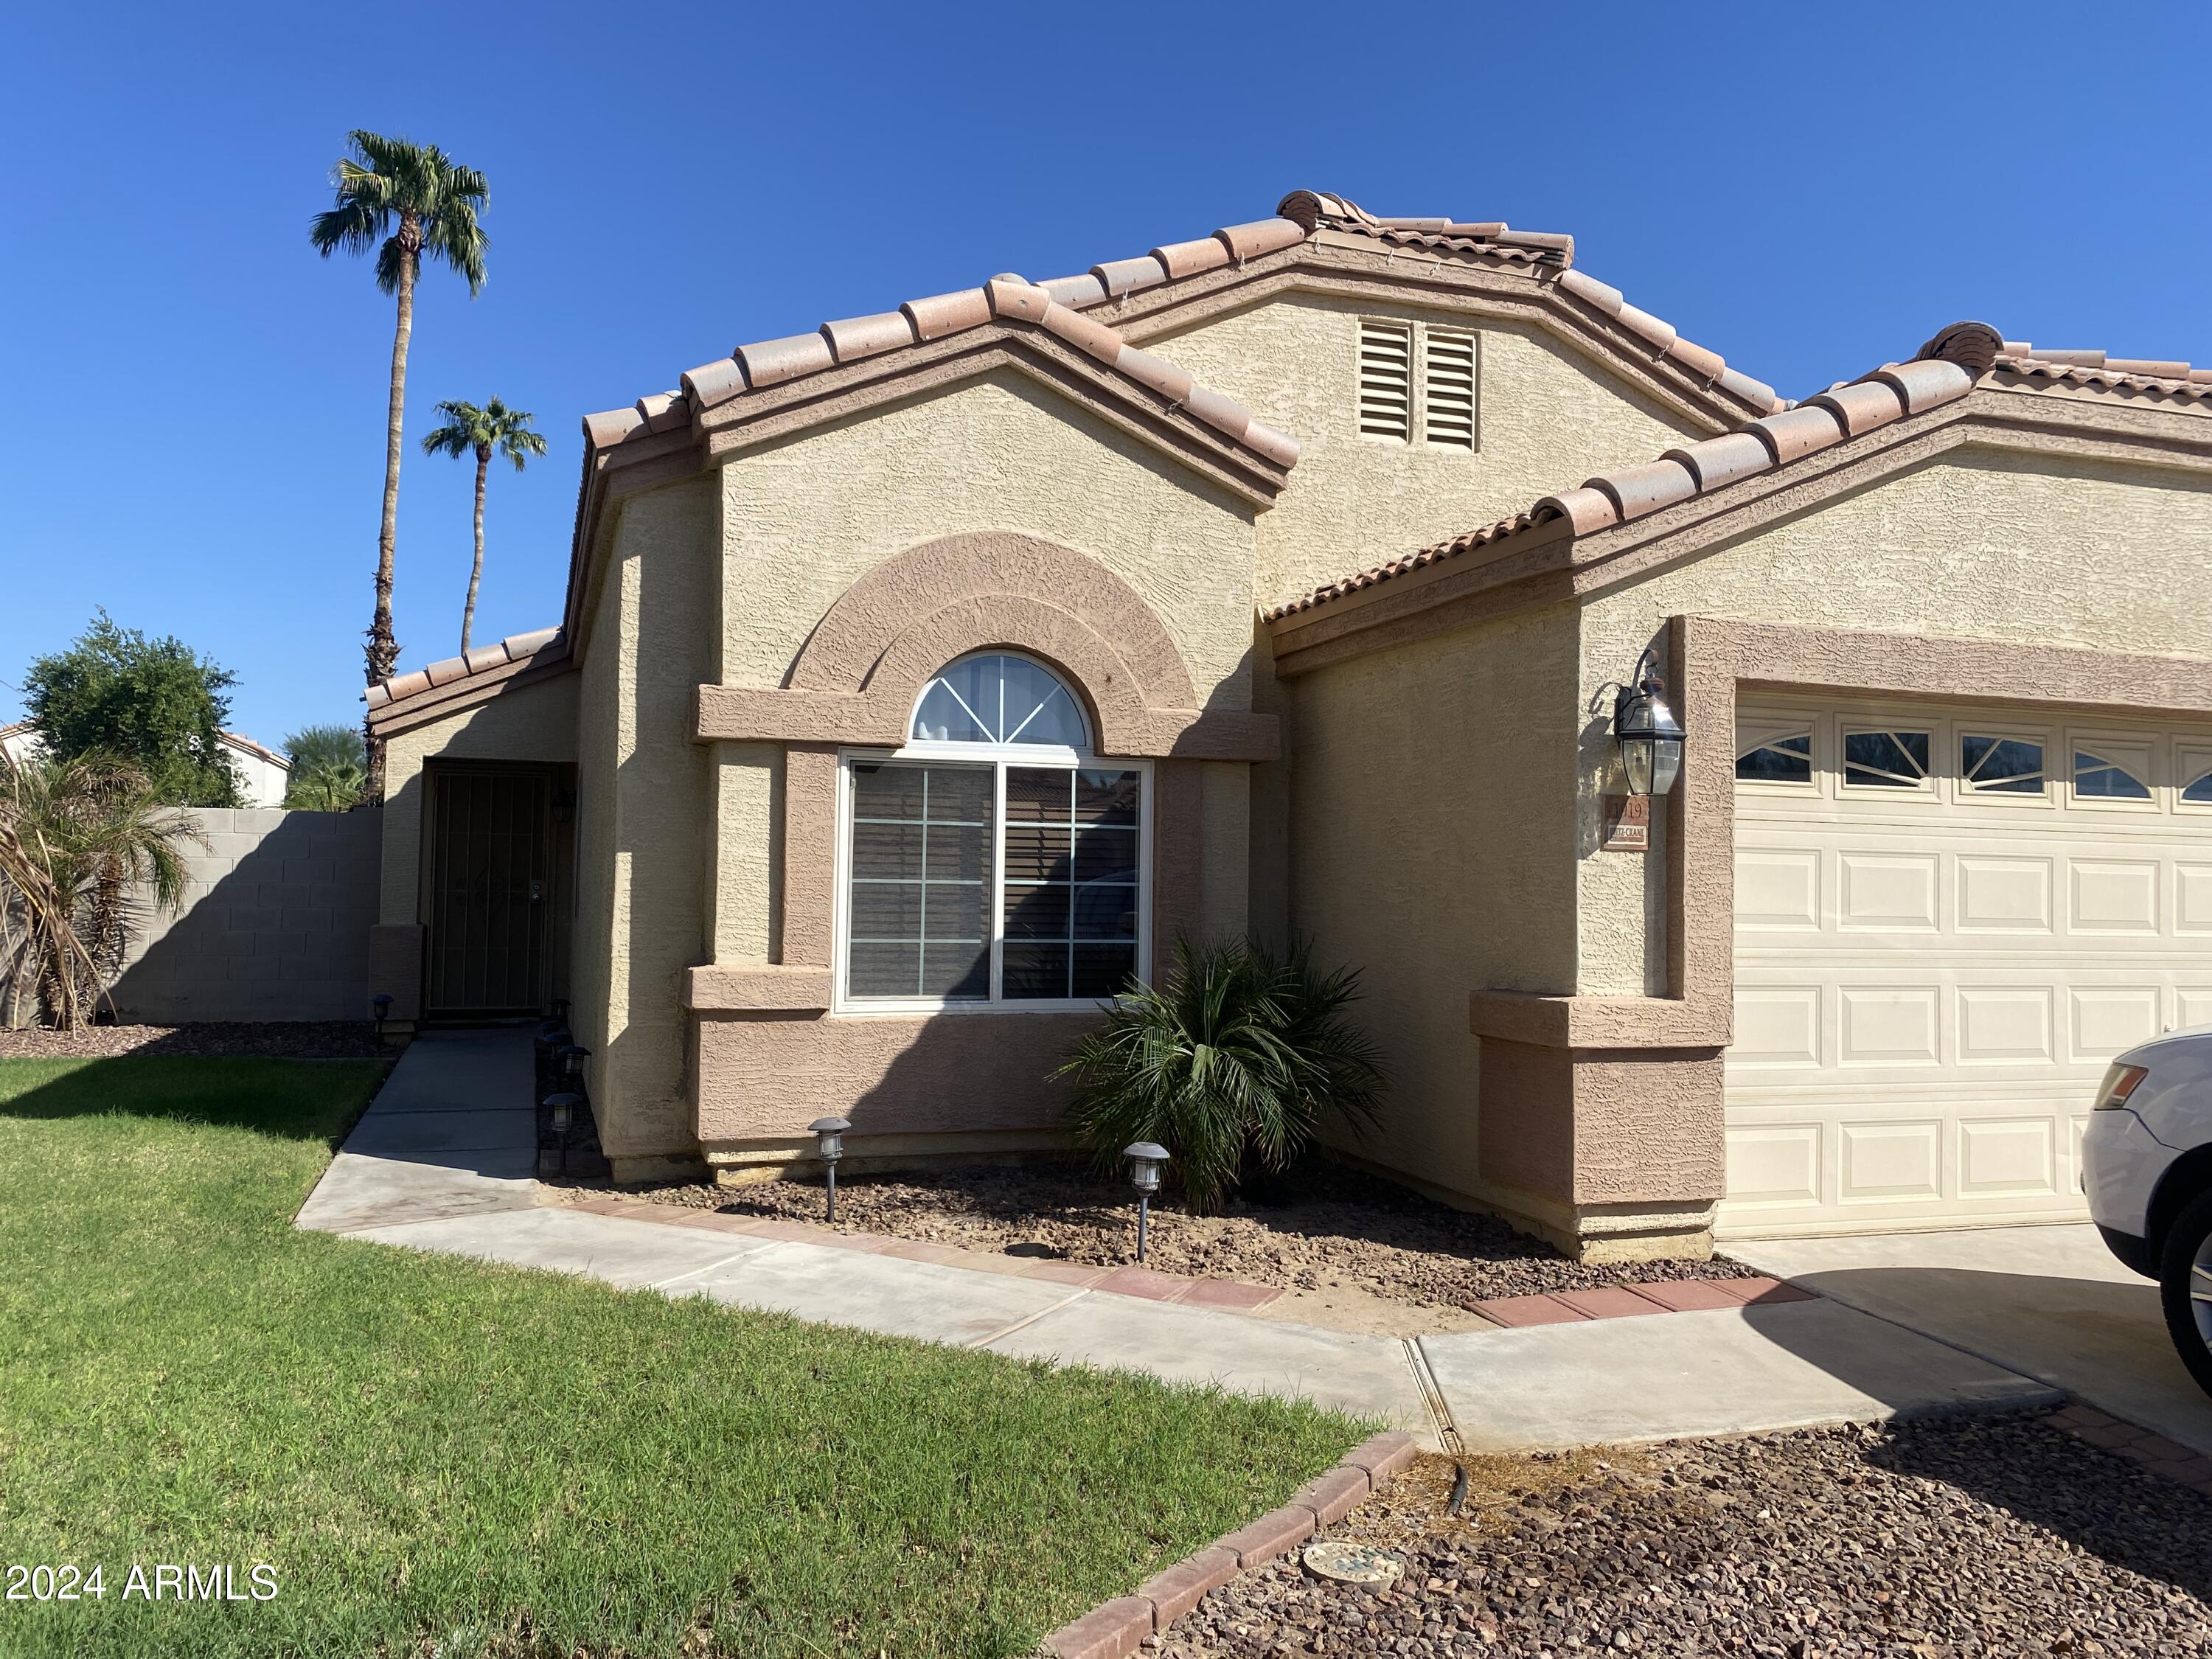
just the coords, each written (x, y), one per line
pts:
(1948, 1538)
(1334, 1227)
(332, 1039)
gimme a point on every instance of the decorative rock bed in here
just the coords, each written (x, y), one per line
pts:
(1937, 1538)
(1331, 1228)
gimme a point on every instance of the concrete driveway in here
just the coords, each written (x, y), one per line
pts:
(2048, 1303)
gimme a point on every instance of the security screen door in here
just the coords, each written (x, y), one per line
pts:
(490, 887)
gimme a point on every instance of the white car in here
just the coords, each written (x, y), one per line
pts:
(2147, 1163)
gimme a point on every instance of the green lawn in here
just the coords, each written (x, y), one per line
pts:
(443, 1457)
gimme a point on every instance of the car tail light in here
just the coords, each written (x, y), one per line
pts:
(2119, 1083)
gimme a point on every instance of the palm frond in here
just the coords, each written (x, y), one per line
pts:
(1237, 1055)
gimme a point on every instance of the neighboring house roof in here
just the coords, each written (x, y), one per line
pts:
(1944, 370)
(13, 735)
(245, 744)
(457, 682)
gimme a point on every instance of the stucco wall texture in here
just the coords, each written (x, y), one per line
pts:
(1990, 543)
(647, 802)
(1546, 418)
(801, 520)
(1429, 848)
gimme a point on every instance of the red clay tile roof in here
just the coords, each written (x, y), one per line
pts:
(1057, 304)
(550, 644)
(1647, 334)
(1943, 371)
(2023, 361)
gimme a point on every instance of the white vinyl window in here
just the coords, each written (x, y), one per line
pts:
(992, 860)
(1419, 380)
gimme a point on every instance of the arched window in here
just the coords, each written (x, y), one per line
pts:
(993, 859)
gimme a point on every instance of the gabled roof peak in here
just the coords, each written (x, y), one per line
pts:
(1942, 371)
(1058, 305)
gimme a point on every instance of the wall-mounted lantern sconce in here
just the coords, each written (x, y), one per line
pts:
(1145, 1158)
(828, 1135)
(1646, 730)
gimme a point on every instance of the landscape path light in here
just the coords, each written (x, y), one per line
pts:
(1646, 730)
(562, 1107)
(572, 1059)
(828, 1135)
(1145, 1158)
(382, 1005)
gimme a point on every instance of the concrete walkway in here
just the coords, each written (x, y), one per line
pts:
(2048, 1303)
(441, 1162)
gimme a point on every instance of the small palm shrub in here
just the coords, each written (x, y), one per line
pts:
(82, 841)
(1234, 1060)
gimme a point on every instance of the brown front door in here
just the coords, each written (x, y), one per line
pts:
(490, 890)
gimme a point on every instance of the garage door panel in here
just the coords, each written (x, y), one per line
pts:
(1778, 888)
(1890, 1162)
(2107, 1019)
(2192, 898)
(1777, 1025)
(2007, 1157)
(1886, 892)
(2112, 895)
(2003, 894)
(1930, 981)
(2000, 1025)
(1776, 1163)
(1888, 1025)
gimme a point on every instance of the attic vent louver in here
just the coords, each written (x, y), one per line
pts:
(1448, 388)
(1385, 380)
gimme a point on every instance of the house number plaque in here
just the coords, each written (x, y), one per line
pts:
(1627, 825)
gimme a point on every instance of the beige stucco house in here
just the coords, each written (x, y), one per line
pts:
(921, 677)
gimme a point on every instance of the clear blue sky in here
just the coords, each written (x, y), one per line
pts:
(194, 402)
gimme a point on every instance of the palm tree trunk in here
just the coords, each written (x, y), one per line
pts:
(382, 650)
(475, 571)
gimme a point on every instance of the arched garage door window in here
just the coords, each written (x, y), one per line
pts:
(993, 860)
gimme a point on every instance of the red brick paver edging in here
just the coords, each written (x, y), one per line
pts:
(1120, 1627)
(1629, 1300)
(1134, 1281)
(2152, 1451)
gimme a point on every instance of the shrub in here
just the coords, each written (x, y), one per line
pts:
(154, 706)
(80, 841)
(1234, 1059)
(329, 769)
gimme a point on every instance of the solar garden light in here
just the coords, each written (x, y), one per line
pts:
(383, 1005)
(1646, 730)
(572, 1059)
(1145, 1158)
(563, 1109)
(828, 1135)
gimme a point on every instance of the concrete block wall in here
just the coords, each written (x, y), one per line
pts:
(275, 926)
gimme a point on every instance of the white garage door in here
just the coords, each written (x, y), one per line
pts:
(1947, 920)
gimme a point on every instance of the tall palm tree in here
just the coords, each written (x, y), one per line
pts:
(417, 200)
(468, 429)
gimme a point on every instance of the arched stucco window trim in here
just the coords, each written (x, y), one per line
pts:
(856, 678)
